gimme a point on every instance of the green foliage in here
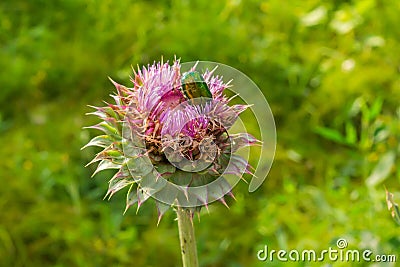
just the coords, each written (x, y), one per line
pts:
(328, 69)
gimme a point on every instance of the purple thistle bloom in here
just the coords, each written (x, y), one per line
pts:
(166, 147)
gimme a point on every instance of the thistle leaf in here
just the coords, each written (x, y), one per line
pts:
(114, 156)
(142, 196)
(104, 113)
(165, 168)
(168, 194)
(237, 166)
(123, 173)
(151, 183)
(105, 165)
(139, 166)
(241, 140)
(110, 111)
(131, 150)
(200, 193)
(224, 184)
(161, 210)
(107, 128)
(214, 192)
(100, 141)
(181, 178)
(116, 185)
(131, 197)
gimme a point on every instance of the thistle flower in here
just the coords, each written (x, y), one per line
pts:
(166, 145)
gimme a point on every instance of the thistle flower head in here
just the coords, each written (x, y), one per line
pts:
(166, 145)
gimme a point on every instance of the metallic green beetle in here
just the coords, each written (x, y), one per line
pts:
(194, 86)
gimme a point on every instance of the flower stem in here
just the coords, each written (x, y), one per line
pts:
(187, 238)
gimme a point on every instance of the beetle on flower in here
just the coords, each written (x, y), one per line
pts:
(167, 136)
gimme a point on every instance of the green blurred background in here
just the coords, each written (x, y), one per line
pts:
(329, 69)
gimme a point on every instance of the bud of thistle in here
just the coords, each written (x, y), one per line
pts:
(167, 136)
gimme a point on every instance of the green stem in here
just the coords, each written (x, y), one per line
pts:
(187, 238)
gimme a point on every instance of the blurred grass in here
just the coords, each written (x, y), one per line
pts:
(330, 71)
